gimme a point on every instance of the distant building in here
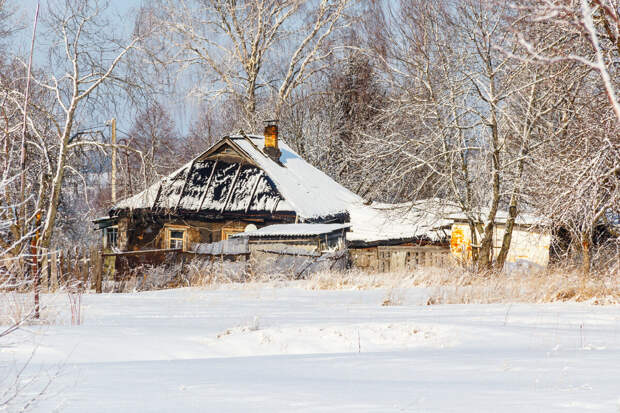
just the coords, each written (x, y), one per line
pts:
(529, 247)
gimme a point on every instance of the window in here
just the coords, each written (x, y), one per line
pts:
(226, 232)
(176, 238)
(111, 237)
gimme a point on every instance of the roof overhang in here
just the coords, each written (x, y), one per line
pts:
(294, 231)
(104, 222)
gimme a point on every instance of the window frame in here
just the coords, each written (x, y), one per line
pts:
(169, 239)
(228, 231)
(106, 237)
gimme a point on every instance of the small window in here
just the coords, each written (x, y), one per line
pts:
(226, 232)
(111, 237)
(176, 238)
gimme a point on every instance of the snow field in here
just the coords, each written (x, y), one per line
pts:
(282, 349)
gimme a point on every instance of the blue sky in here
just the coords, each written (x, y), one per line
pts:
(24, 17)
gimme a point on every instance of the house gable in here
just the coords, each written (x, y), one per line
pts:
(222, 180)
(227, 151)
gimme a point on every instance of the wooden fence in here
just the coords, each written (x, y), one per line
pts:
(92, 269)
(401, 258)
(76, 268)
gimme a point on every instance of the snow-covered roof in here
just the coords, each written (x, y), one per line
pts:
(142, 199)
(290, 186)
(293, 230)
(380, 222)
(308, 190)
(500, 217)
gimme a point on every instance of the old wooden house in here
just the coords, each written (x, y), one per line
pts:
(242, 182)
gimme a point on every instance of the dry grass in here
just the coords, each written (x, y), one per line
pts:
(458, 286)
(446, 285)
(17, 308)
(534, 288)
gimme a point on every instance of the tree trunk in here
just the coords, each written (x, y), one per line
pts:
(585, 248)
(486, 246)
(512, 214)
(507, 239)
(57, 181)
(250, 105)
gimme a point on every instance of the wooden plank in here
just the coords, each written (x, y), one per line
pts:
(158, 193)
(397, 260)
(62, 271)
(189, 174)
(84, 267)
(92, 258)
(258, 177)
(97, 265)
(232, 188)
(76, 267)
(204, 195)
(116, 254)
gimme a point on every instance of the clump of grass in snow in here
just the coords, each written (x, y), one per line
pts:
(394, 296)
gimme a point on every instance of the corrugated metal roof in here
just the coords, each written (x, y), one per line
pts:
(233, 246)
(292, 230)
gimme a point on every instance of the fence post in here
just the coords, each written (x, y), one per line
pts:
(95, 265)
(61, 269)
(84, 273)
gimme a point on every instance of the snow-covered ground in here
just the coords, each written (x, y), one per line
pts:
(266, 349)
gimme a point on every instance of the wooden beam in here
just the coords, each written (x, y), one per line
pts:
(189, 174)
(258, 177)
(158, 193)
(115, 254)
(207, 186)
(232, 188)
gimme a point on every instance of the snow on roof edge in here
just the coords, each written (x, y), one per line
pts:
(292, 230)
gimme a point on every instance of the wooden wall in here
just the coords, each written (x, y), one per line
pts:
(400, 257)
(136, 235)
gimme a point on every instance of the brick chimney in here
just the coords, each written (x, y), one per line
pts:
(271, 140)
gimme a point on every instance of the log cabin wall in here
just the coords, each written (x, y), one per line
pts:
(135, 235)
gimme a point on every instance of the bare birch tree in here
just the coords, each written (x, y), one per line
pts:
(467, 117)
(84, 60)
(251, 50)
(596, 27)
(582, 177)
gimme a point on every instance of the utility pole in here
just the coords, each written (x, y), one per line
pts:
(113, 160)
(34, 250)
(22, 189)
